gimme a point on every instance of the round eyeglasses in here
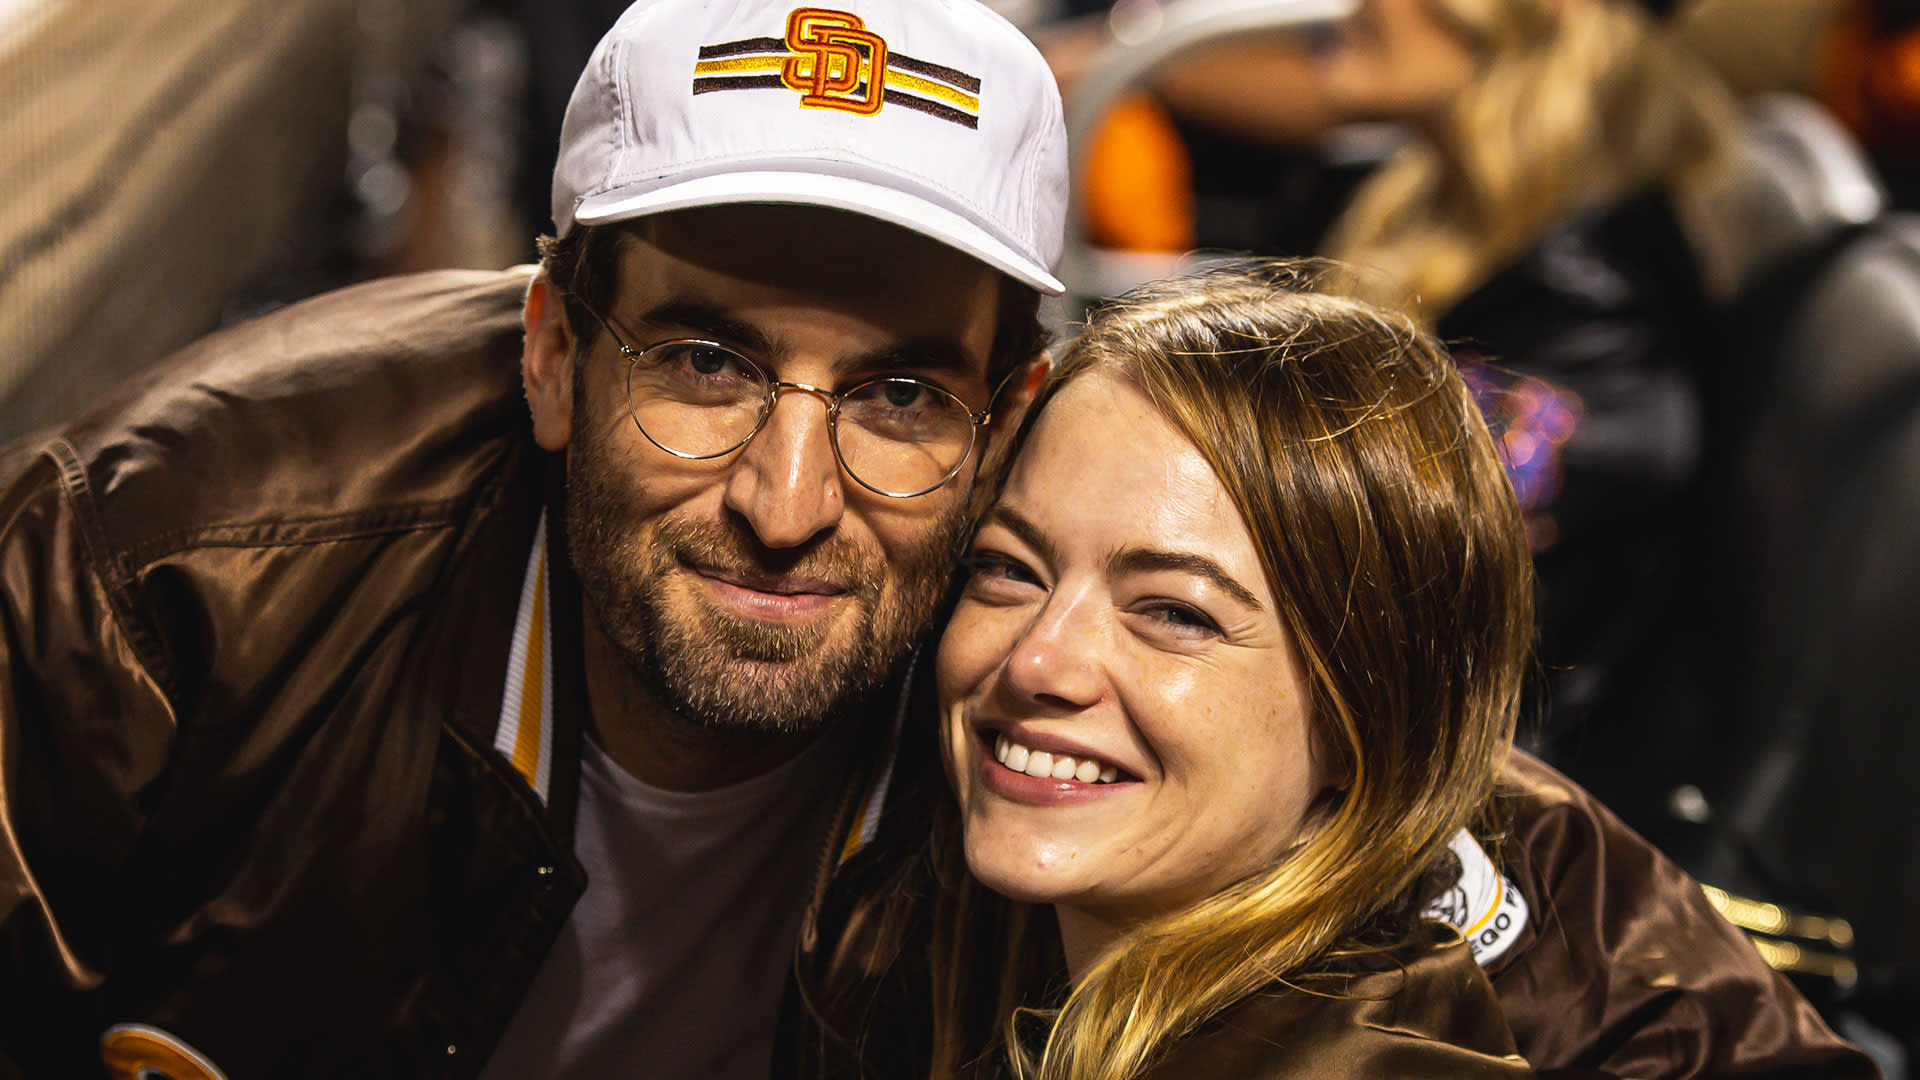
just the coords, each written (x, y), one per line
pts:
(895, 435)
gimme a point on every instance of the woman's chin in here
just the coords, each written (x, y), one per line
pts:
(1024, 870)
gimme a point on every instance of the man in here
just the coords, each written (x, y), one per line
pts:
(493, 675)
(348, 731)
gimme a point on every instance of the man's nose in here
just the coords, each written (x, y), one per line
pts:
(786, 481)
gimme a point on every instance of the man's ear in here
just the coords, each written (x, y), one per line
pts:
(1017, 392)
(1027, 382)
(546, 364)
(1009, 409)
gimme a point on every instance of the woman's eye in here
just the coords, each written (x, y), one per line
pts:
(1180, 619)
(990, 570)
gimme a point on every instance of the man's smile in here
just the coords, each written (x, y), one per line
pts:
(771, 597)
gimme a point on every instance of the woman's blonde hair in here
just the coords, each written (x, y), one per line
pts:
(1577, 103)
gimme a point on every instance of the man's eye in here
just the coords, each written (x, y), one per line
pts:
(909, 411)
(900, 394)
(901, 401)
(708, 361)
(696, 372)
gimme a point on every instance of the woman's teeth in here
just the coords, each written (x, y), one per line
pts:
(1041, 764)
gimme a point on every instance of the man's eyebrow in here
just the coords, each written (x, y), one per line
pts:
(1144, 560)
(930, 355)
(934, 356)
(708, 321)
(1023, 527)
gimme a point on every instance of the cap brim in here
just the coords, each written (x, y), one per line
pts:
(833, 192)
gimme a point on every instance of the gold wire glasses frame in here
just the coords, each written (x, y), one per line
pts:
(699, 399)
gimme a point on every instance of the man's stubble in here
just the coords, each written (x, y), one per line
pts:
(714, 667)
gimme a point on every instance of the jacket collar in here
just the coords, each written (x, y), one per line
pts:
(542, 693)
(525, 734)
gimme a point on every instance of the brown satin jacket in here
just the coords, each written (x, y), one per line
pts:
(256, 610)
(1432, 1018)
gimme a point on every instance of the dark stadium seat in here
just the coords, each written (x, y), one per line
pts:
(1790, 786)
(1800, 180)
(1814, 799)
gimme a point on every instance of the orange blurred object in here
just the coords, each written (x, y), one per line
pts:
(1869, 75)
(1139, 180)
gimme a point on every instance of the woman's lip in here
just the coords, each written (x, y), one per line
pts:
(1034, 790)
(1052, 744)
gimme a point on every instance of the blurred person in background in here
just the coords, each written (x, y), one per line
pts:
(1549, 216)
(1546, 207)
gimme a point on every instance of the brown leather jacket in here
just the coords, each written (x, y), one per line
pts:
(1622, 970)
(255, 621)
(255, 615)
(1433, 1017)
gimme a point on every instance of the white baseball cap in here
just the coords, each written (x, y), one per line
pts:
(935, 115)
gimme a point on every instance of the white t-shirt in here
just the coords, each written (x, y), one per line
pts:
(674, 962)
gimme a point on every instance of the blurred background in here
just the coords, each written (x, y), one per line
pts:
(1672, 244)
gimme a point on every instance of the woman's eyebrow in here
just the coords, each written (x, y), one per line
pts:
(1137, 560)
(1023, 527)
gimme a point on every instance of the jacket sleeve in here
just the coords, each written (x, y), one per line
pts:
(85, 734)
(1626, 969)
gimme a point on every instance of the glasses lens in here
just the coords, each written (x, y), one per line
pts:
(903, 436)
(695, 398)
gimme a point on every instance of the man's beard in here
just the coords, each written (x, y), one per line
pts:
(718, 668)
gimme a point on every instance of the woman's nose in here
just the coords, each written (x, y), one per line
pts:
(1059, 661)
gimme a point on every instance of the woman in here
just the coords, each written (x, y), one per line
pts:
(1239, 650)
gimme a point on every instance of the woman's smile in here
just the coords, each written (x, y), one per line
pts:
(1022, 758)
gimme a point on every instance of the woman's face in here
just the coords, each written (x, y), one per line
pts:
(1395, 60)
(1125, 719)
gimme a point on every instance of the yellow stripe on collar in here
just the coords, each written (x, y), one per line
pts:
(525, 734)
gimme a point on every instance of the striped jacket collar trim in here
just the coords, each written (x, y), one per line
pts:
(525, 734)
